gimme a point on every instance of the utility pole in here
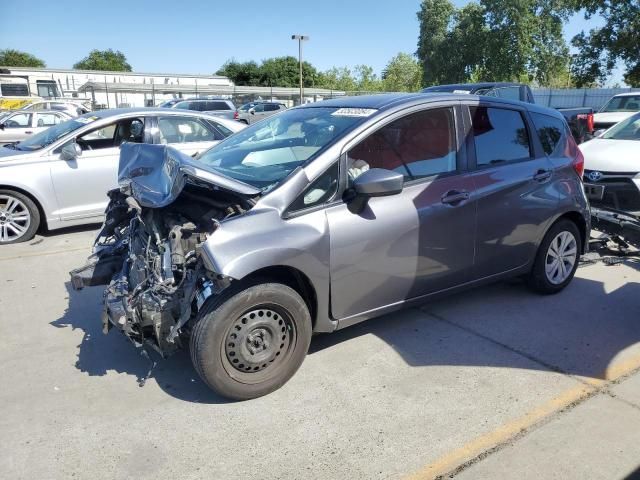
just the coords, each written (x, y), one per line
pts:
(300, 39)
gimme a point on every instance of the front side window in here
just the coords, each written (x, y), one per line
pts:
(19, 120)
(500, 135)
(624, 103)
(113, 135)
(183, 129)
(259, 108)
(265, 153)
(184, 105)
(552, 133)
(419, 145)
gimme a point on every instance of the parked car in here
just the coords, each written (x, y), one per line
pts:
(218, 107)
(329, 214)
(18, 125)
(257, 111)
(73, 109)
(612, 170)
(59, 177)
(618, 108)
(580, 120)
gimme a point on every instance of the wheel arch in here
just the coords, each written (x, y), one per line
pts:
(292, 277)
(33, 198)
(578, 219)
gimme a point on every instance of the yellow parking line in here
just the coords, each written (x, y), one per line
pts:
(511, 429)
(51, 252)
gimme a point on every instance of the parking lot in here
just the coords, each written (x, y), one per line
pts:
(493, 383)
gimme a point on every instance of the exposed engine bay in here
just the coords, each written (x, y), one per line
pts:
(148, 251)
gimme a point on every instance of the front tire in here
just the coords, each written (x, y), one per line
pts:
(557, 258)
(249, 343)
(19, 217)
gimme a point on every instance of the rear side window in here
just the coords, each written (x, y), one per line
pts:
(500, 136)
(418, 145)
(270, 107)
(176, 129)
(217, 106)
(552, 133)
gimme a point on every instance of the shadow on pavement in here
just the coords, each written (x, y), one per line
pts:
(577, 332)
(99, 353)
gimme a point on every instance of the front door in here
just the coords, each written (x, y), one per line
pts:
(82, 184)
(414, 243)
(513, 186)
(16, 127)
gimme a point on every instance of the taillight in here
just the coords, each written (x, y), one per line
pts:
(235, 115)
(590, 122)
(578, 162)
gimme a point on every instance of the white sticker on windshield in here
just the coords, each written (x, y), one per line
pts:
(86, 119)
(461, 91)
(354, 112)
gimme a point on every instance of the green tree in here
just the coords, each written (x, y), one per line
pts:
(402, 74)
(107, 60)
(366, 80)
(602, 48)
(245, 73)
(285, 72)
(493, 40)
(16, 58)
(337, 78)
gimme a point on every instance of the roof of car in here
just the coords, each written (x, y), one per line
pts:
(627, 94)
(387, 101)
(472, 86)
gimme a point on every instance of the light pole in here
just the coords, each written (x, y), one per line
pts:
(300, 39)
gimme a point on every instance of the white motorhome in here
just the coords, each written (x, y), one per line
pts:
(15, 93)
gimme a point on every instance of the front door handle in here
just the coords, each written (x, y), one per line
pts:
(542, 175)
(455, 197)
(28, 132)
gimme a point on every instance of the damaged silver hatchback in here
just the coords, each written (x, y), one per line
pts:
(329, 214)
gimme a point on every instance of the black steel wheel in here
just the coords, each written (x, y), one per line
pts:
(248, 343)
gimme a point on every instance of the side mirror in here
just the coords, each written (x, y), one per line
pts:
(376, 182)
(599, 132)
(70, 151)
(252, 111)
(1, 126)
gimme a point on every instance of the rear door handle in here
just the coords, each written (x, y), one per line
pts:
(455, 197)
(28, 132)
(542, 175)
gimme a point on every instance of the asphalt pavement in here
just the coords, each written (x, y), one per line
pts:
(496, 382)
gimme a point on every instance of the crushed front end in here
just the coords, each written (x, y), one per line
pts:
(148, 251)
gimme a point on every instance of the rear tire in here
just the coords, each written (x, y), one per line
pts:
(250, 342)
(19, 217)
(557, 258)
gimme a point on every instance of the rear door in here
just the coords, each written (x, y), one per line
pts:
(413, 243)
(44, 120)
(512, 179)
(190, 135)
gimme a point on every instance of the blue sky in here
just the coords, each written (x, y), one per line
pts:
(198, 36)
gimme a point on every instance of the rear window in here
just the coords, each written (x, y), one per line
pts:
(218, 106)
(500, 136)
(552, 133)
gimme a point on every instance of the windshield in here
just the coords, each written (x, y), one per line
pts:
(169, 103)
(52, 134)
(625, 103)
(628, 129)
(247, 106)
(265, 153)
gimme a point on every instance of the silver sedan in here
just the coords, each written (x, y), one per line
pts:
(59, 177)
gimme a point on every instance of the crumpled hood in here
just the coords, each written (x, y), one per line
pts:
(156, 174)
(611, 117)
(608, 155)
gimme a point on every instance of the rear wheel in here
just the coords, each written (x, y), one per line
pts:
(19, 217)
(557, 258)
(249, 343)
